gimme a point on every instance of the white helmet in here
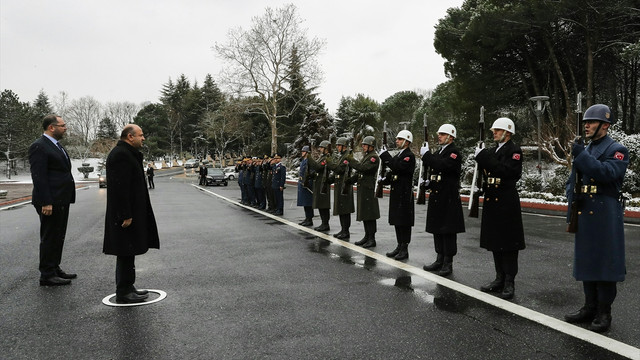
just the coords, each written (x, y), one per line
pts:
(504, 124)
(405, 134)
(447, 129)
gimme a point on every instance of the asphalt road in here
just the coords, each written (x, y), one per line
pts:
(244, 285)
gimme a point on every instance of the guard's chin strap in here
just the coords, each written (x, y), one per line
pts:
(504, 134)
(597, 130)
(404, 141)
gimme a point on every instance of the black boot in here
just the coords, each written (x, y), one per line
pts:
(447, 266)
(586, 314)
(371, 242)
(509, 288)
(394, 252)
(494, 286)
(602, 322)
(322, 227)
(362, 241)
(403, 253)
(436, 264)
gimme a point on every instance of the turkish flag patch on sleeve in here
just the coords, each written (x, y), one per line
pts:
(345, 162)
(453, 156)
(373, 159)
(618, 155)
(406, 159)
(516, 156)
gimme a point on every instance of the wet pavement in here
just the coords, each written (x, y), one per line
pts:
(242, 284)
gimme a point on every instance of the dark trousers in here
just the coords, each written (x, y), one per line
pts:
(345, 221)
(279, 197)
(53, 229)
(151, 184)
(125, 274)
(308, 212)
(370, 228)
(251, 194)
(260, 199)
(243, 194)
(446, 244)
(506, 262)
(324, 215)
(599, 292)
(403, 234)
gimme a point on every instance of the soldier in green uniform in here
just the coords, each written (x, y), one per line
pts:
(342, 198)
(365, 174)
(321, 188)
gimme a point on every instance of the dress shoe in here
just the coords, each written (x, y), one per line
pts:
(362, 241)
(54, 281)
(403, 254)
(369, 244)
(494, 286)
(586, 314)
(278, 213)
(141, 292)
(64, 275)
(322, 227)
(601, 323)
(508, 290)
(131, 298)
(447, 267)
(394, 252)
(342, 235)
(436, 264)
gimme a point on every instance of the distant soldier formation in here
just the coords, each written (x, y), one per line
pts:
(595, 185)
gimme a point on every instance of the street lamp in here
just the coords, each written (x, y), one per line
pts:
(541, 103)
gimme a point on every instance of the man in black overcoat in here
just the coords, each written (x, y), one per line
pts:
(401, 204)
(444, 212)
(130, 226)
(53, 191)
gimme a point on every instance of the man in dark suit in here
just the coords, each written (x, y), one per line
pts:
(53, 191)
(277, 183)
(130, 226)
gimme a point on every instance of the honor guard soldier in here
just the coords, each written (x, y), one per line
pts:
(501, 230)
(342, 197)
(599, 259)
(271, 200)
(277, 184)
(261, 203)
(368, 210)
(321, 188)
(401, 204)
(305, 185)
(444, 212)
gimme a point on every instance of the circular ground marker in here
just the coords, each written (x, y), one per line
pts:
(107, 300)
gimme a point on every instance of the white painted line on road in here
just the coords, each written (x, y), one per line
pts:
(602, 341)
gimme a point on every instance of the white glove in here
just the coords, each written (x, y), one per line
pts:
(426, 183)
(380, 178)
(479, 148)
(382, 150)
(424, 149)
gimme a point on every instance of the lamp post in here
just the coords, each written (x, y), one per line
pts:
(541, 103)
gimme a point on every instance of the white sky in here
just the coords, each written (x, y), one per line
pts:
(124, 50)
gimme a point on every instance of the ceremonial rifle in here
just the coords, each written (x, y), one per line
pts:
(347, 170)
(572, 226)
(381, 167)
(476, 183)
(424, 171)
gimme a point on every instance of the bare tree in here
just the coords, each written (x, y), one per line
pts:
(121, 113)
(83, 117)
(257, 61)
(224, 126)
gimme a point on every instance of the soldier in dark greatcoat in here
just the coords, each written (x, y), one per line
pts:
(368, 210)
(444, 212)
(342, 198)
(501, 230)
(305, 186)
(599, 259)
(401, 203)
(321, 188)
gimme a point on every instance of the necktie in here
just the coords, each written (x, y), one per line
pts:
(61, 149)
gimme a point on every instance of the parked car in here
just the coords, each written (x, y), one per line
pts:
(191, 163)
(230, 173)
(102, 179)
(216, 177)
